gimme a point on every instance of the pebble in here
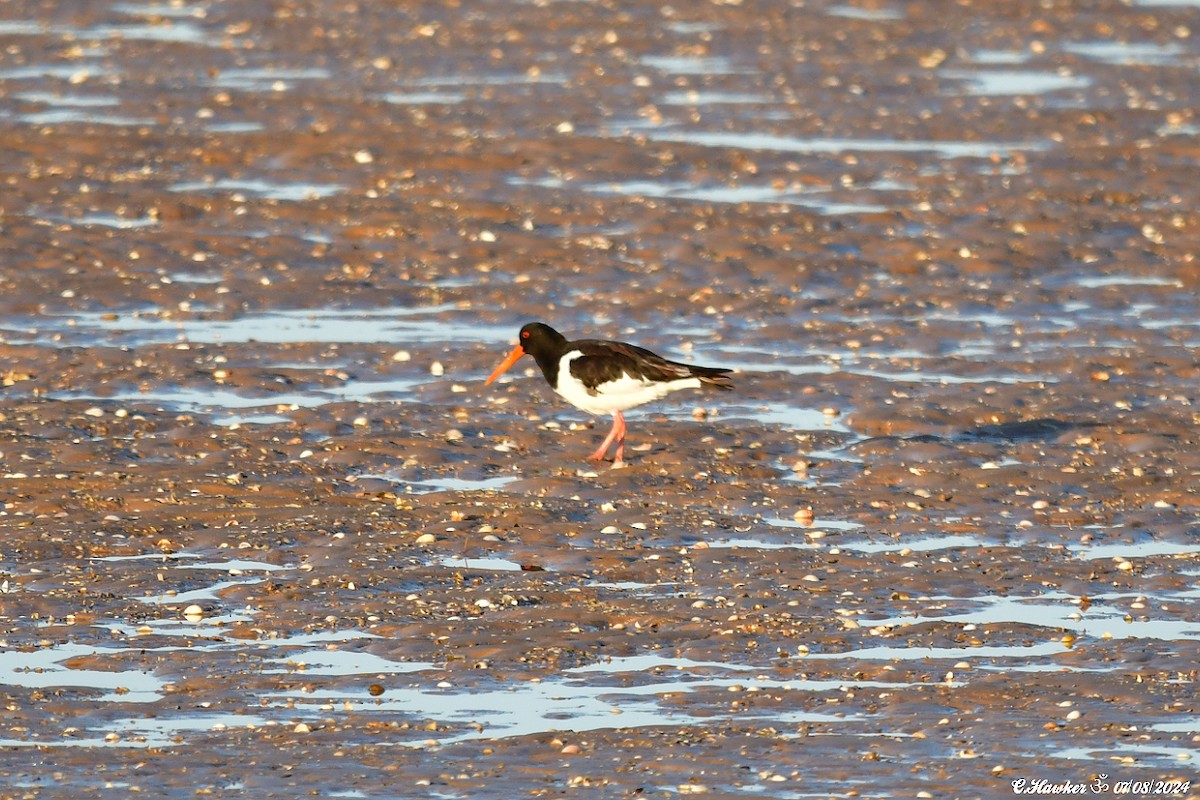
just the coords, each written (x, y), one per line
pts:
(193, 611)
(426, 538)
(301, 728)
(401, 355)
(436, 369)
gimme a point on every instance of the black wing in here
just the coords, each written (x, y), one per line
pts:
(603, 361)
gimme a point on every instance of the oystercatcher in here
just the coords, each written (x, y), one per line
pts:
(602, 377)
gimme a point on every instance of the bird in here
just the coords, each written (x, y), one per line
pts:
(603, 377)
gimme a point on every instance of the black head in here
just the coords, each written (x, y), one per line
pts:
(545, 344)
(538, 339)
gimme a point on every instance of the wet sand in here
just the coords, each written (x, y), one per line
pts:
(266, 534)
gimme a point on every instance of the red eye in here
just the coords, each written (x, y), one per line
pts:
(525, 335)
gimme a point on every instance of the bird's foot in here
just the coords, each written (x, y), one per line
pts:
(601, 452)
(602, 455)
(619, 456)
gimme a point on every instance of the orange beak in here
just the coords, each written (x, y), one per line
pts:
(509, 360)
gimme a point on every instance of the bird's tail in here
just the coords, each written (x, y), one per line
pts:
(715, 377)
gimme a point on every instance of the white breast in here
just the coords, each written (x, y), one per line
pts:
(624, 393)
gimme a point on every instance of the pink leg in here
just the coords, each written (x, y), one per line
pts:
(602, 450)
(619, 421)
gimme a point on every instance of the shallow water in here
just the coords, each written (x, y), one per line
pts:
(231, 407)
(260, 187)
(44, 668)
(479, 562)
(207, 593)
(391, 325)
(683, 190)
(575, 704)
(1127, 52)
(454, 484)
(821, 145)
(1016, 82)
(1097, 622)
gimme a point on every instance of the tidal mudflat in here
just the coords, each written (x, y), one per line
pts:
(266, 534)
